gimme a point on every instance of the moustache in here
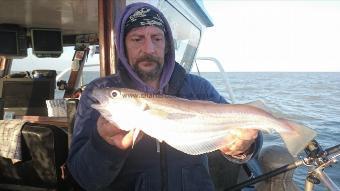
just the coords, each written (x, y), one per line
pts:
(148, 58)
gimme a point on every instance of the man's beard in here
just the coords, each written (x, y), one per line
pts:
(151, 75)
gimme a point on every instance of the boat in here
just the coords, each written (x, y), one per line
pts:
(40, 30)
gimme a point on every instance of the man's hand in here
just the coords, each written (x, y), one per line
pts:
(239, 141)
(115, 136)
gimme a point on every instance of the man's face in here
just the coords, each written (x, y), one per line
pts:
(145, 47)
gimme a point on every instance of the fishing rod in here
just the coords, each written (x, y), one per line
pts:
(316, 157)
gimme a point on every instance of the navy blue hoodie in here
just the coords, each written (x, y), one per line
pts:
(169, 59)
(97, 165)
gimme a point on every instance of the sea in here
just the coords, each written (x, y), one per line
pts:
(312, 99)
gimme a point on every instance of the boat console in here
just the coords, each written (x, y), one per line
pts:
(27, 95)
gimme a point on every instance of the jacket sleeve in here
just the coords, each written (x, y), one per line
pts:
(207, 92)
(92, 162)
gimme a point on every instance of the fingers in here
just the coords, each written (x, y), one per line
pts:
(107, 128)
(123, 141)
(111, 134)
(115, 136)
(237, 148)
(245, 134)
(239, 141)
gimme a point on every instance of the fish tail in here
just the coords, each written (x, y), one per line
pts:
(297, 138)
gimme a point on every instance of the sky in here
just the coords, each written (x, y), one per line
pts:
(270, 35)
(262, 36)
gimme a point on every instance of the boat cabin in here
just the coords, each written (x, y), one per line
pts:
(48, 51)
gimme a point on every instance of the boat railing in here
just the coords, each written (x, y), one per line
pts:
(252, 168)
(64, 72)
(223, 74)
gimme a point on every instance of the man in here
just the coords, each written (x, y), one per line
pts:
(101, 157)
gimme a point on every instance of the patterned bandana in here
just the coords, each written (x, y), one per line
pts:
(144, 17)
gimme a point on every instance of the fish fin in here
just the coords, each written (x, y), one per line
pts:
(145, 106)
(134, 136)
(261, 105)
(202, 101)
(199, 146)
(297, 139)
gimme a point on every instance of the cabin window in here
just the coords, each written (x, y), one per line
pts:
(31, 62)
(60, 64)
(186, 34)
(92, 68)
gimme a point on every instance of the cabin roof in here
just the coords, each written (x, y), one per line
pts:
(71, 16)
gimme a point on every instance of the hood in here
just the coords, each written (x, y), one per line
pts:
(169, 59)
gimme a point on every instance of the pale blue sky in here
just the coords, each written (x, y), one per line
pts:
(268, 35)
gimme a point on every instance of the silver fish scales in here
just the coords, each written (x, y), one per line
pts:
(193, 127)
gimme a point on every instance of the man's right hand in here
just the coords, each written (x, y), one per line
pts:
(113, 135)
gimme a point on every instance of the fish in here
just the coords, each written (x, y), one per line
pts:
(193, 126)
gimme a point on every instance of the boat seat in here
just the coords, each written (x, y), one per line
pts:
(44, 151)
(226, 174)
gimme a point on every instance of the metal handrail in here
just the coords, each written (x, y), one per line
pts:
(69, 69)
(224, 76)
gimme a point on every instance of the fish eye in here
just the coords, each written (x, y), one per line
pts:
(114, 93)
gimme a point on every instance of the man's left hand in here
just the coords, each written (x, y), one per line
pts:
(238, 142)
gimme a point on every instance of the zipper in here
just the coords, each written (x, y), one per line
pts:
(158, 149)
(164, 167)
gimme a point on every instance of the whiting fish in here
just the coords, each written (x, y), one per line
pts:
(193, 127)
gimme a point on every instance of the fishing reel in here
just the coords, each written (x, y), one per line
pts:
(315, 154)
(317, 159)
